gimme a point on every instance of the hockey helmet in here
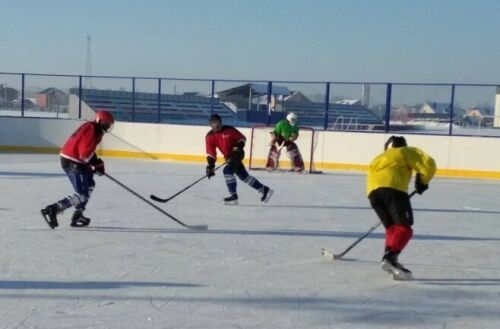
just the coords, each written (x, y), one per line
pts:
(292, 118)
(215, 117)
(105, 120)
(395, 141)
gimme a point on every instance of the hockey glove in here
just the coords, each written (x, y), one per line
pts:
(98, 165)
(237, 154)
(210, 170)
(420, 187)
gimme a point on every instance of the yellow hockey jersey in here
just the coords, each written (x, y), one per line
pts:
(394, 167)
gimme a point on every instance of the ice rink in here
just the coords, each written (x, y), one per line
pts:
(257, 266)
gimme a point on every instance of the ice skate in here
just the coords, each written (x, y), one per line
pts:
(391, 265)
(49, 213)
(266, 194)
(78, 220)
(231, 200)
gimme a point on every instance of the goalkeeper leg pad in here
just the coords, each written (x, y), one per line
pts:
(273, 158)
(295, 157)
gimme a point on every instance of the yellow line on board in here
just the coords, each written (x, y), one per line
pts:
(464, 173)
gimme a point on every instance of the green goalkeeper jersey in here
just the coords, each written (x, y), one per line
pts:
(285, 129)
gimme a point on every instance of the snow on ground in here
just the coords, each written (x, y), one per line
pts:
(258, 265)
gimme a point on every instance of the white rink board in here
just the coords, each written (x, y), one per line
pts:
(451, 153)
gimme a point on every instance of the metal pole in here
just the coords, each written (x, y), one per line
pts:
(269, 92)
(22, 94)
(159, 101)
(452, 108)
(387, 115)
(327, 105)
(212, 99)
(133, 99)
(80, 97)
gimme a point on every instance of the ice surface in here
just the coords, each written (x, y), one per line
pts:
(258, 265)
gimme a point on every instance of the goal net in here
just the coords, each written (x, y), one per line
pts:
(259, 149)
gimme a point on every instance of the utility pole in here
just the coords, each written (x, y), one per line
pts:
(88, 65)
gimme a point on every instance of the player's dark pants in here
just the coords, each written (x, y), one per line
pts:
(237, 168)
(81, 177)
(393, 207)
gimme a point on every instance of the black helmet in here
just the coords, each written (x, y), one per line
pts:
(215, 117)
(395, 141)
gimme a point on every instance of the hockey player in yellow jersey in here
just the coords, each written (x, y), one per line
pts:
(387, 188)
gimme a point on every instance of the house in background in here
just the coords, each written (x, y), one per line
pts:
(52, 99)
(296, 96)
(403, 113)
(251, 96)
(479, 117)
(432, 111)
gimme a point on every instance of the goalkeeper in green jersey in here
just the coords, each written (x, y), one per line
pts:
(284, 134)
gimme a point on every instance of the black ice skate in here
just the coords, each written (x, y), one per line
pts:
(49, 213)
(78, 220)
(231, 200)
(391, 265)
(266, 193)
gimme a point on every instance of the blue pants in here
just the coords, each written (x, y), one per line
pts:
(82, 178)
(239, 169)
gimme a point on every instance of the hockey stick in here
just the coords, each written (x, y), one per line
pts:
(339, 256)
(155, 198)
(278, 155)
(191, 227)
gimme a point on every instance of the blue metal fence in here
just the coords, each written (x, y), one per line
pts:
(421, 108)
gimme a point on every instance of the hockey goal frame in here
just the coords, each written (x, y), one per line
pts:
(308, 162)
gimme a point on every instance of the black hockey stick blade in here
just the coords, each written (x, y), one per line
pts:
(158, 199)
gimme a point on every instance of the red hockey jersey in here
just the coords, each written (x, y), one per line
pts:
(224, 140)
(81, 145)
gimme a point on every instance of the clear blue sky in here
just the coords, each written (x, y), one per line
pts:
(313, 40)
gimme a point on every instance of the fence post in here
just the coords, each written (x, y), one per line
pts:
(269, 93)
(159, 101)
(22, 94)
(79, 97)
(212, 99)
(133, 99)
(327, 105)
(452, 108)
(387, 116)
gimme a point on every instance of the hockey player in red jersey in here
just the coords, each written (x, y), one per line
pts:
(79, 162)
(230, 143)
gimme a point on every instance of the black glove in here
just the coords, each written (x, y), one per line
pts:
(98, 165)
(420, 187)
(237, 153)
(210, 170)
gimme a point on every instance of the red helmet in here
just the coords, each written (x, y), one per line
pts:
(104, 119)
